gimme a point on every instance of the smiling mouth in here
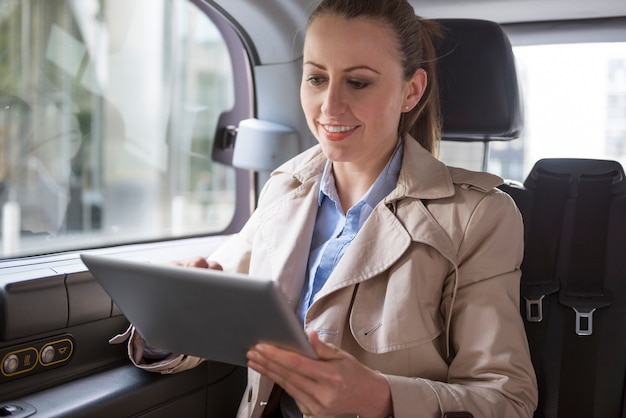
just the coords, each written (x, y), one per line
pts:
(339, 128)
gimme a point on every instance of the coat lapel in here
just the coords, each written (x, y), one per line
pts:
(384, 237)
(286, 230)
(401, 219)
(377, 246)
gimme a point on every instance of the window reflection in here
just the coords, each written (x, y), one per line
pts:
(108, 112)
(568, 113)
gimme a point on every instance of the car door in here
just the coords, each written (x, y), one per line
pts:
(116, 139)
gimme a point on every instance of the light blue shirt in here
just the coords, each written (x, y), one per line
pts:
(334, 231)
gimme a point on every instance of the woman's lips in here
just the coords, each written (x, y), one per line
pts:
(338, 132)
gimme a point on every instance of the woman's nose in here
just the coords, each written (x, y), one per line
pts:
(334, 101)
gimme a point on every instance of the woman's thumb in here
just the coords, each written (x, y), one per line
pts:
(324, 350)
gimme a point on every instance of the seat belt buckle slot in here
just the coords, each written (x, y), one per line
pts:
(584, 321)
(534, 309)
(584, 306)
(534, 295)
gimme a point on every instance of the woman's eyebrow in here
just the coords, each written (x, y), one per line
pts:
(361, 67)
(347, 70)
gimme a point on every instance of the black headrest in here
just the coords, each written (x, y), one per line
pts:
(573, 169)
(480, 99)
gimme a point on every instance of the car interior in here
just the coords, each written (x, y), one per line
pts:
(56, 321)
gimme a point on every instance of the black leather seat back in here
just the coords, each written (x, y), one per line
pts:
(574, 284)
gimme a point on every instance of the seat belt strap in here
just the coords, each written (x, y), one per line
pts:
(583, 291)
(544, 231)
(543, 223)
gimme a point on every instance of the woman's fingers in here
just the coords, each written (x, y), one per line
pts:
(200, 262)
(316, 385)
(324, 351)
(288, 370)
(214, 265)
(283, 366)
(334, 384)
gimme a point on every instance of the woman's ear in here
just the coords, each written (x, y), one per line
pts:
(415, 89)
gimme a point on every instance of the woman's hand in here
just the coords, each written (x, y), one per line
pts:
(335, 384)
(199, 262)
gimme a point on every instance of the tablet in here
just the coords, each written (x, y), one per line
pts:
(205, 313)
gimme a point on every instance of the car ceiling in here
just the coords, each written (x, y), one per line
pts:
(274, 28)
(518, 11)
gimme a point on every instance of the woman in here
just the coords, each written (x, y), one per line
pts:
(405, 272)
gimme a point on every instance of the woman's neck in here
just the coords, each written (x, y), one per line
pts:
(353, 180)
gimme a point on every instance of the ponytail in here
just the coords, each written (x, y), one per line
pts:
(424, 121)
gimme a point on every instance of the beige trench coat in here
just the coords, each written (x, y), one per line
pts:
(427, 293)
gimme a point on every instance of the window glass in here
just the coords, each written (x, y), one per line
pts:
(107, 119)
(575, 106)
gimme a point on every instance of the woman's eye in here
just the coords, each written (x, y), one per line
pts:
(358, 85)
(315, 80)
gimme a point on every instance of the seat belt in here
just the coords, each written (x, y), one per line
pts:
(538, 266)
(539, 279)
(583, 290)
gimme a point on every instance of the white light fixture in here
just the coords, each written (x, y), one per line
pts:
(262, 146)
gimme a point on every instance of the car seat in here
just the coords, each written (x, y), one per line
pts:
(573, 286)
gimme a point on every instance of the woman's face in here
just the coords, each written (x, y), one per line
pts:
(353, 90)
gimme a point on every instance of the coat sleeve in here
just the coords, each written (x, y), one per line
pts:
(490, 373)
(152, 359)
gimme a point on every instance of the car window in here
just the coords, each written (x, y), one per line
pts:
(107, 121)
(574, 106)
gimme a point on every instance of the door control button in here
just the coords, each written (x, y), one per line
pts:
(10, 364)
(47, 355)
